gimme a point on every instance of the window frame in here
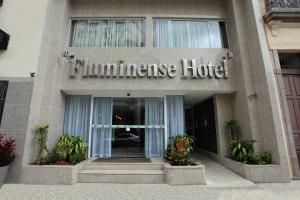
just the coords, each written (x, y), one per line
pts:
(225, 44)
(73, 19)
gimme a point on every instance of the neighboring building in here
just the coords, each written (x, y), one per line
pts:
(24, 22)
(126, 75)
(282, 19)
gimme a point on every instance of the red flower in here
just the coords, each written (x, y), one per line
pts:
(7, 150)
(180, 145)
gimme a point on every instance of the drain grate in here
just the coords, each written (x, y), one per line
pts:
(120, 159)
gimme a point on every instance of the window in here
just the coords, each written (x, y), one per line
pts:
(3, 90)
(289, 60)
(108, 33)
(4, 39)
(189, 34)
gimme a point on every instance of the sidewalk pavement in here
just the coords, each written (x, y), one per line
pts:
(287, 191)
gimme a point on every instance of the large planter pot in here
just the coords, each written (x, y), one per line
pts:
(185, 175)
(50, 174)
(3, 174)
(258, 173)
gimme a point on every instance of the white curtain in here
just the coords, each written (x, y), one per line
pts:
(161, 35)
(77, 116)
(154, 135)
(214, 34)
(186, 34)
(175, 115)
(108, 33)
(101, 136)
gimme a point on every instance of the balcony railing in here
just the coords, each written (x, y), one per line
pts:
(282, 4)
(282, 10)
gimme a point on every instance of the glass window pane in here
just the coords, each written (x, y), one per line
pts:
(199, 34)
(108, 33)
(128, 111)
(214, 34)
(180, 34)
(162, 34)
(186, 34)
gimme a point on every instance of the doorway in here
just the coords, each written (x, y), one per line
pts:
(200, 123)
(290, 67)
(127, 127)
(128, 135)
(292, 92)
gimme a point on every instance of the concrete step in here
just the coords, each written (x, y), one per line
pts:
(121, 176)
(122, 166)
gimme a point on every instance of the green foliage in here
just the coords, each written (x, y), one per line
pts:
(266, 157)
(232, 126)
(71, 149)
(41, 138)
(259, 159)
(42, 128)
(51, 157)
(179, 150)
(191, 162)
(242, 151)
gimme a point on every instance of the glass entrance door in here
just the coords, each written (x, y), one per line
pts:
(127, 127)
(128, 135)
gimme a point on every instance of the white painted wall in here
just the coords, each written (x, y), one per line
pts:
(23, 21)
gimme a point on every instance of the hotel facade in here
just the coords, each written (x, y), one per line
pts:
(143, 71)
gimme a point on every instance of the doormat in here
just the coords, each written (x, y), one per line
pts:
(119, 159)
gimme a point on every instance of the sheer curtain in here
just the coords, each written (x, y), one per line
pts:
(161, 35)
(186, 34)
(154, 136)
(180, 34)
(108, 33)
(77, 116)
(175, 115)
(101, 127)
(214, 34)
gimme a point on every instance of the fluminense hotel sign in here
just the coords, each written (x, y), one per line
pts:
(190, 68)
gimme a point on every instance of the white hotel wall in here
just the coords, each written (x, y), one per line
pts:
(24, 22)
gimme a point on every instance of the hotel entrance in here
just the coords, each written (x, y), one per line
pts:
(128, 132)
(121, 126)
(127, 127)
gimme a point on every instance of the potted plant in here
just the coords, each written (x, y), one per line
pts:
(70, 150)
(7, 155)
(232, 126)
(182, 170)
(179, 150)
(41, 138)
(242, 151)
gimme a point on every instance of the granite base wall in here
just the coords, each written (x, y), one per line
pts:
(15, 119)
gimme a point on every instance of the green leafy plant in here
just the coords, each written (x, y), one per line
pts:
(259, 159)
(266, 157)
(7, 150)
(41, 138)
(70, 149)
(240, 149)
(232, 126)
(179, 150)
